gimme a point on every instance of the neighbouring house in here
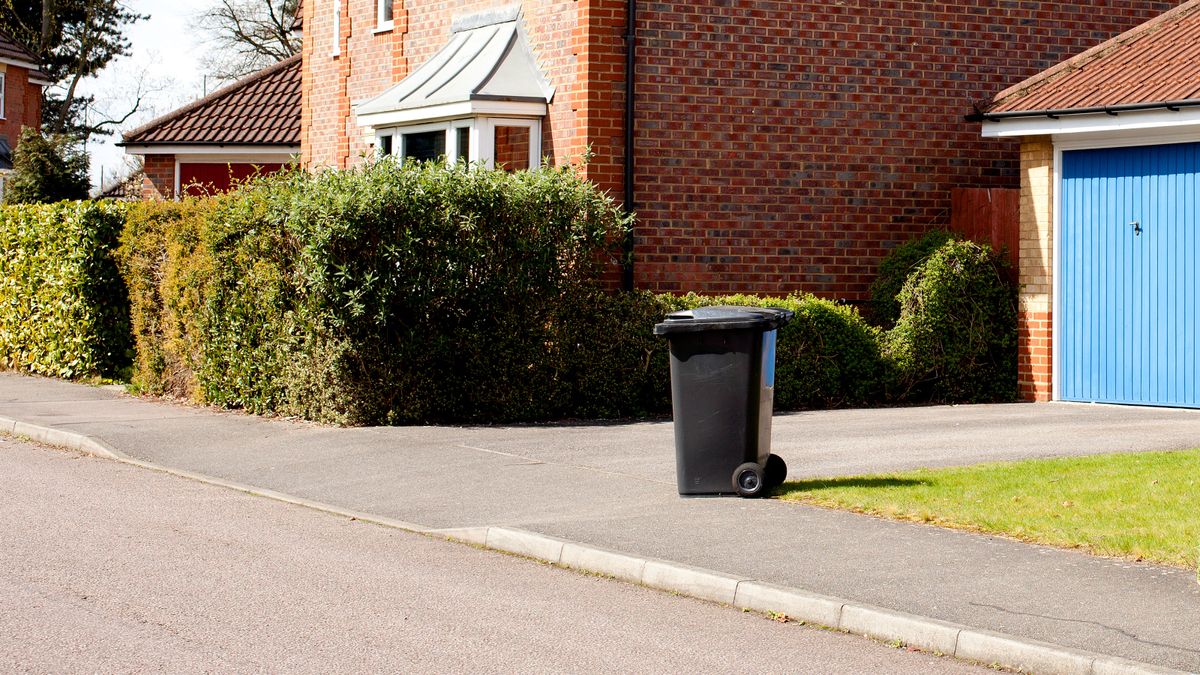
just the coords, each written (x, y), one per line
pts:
(21, 82)
(249, 127)
(1110, 217)
(770, 146)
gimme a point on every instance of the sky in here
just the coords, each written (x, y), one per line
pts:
(167, 52)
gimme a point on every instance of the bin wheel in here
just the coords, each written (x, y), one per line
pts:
(749, 481)
(775, 471)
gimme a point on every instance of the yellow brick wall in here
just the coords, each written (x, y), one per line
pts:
(1034, 365)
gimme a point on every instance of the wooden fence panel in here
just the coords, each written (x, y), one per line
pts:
(989, 216)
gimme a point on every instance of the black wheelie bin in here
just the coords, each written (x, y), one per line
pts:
(722, 392)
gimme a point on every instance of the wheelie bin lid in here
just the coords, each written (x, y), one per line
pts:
(723, 317)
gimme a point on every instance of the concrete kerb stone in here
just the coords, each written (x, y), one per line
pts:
(1027, 655)
(617, 565)
(801, 606)
(915, 631)
(1112, 665)
(882, 624)
(528, 544)
(691, 581)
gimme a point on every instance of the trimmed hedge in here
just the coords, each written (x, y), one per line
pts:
(160, 258)
(64, 308)
(385, 294)
(956, 339)
(826, 357)
(424, 294)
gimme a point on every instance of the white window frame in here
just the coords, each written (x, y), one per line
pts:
(3, 96)
(487, 136)
(382, 25)
(482, 138)
(337, 28)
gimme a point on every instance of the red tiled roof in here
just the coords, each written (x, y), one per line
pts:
(11, 49)
(261, 109)
(1155, 63)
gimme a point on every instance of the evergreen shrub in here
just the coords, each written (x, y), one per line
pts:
(895, 269)
(64, 308)
(956, 338)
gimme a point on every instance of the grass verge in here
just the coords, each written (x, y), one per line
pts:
(1143, 506)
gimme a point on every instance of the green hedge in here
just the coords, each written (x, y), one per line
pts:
(423, 294)
(895, 269)
(385, 294)
(956, 338)
(63, 305)
(166, 272)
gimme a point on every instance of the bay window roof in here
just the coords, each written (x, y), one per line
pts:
(487, 68)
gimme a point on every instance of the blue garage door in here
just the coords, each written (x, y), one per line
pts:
(1127, 275)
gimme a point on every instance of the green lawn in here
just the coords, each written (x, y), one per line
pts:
(1144, 506)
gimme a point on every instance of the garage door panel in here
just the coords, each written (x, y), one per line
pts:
(1127, 280)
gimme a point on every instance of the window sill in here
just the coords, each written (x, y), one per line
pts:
(384, 28)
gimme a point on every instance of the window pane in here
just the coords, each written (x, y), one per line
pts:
(425, 146)
(385, 11)
(385, 146)
(512, 148)
(463, 135)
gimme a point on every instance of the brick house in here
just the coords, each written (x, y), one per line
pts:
(251, 126)
(1110, 170)
(21, 82)
(775, 146)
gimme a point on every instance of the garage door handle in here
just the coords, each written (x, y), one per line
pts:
(1137, 228)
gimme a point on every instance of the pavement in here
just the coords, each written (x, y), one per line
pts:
(602, 497)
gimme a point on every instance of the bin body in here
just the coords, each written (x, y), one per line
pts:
(722, 392)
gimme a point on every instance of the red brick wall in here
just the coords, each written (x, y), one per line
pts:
(159, 179)
(577, 43)
(22, 103)
(781, 146)
(787, 146)
(1034, 356)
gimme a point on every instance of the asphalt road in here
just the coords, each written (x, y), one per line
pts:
(106, 567)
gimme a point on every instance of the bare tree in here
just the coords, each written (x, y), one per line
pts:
(73, 40)
(248, 35)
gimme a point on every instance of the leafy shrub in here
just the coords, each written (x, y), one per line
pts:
(417, 294)
(612, 363)
(826, 357)
(159, 256)
(47, 170)
(956, 339)
(384, 294)
(895, 269)
(63, 306)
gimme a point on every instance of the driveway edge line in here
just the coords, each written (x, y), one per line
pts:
(886, 625)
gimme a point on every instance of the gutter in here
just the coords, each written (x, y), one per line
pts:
(630, 64)
(1173, 106)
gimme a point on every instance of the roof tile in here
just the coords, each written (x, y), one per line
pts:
(1157, 62)
(260, 109)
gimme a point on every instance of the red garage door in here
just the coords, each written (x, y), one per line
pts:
(207, 179)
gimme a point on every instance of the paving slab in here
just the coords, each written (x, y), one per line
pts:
(611, 486)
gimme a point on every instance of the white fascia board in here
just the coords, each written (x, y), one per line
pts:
(223, 150)
(41, 83)
(451, 111)
(236, 159)
(23, 64)
(1091, 123)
